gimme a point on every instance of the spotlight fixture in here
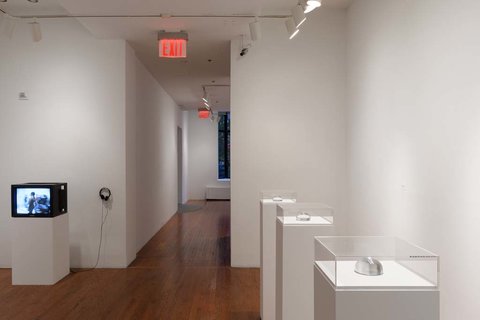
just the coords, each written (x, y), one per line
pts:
(291, 29)
(298, 14)
(206, 98)
(311, 5)
(8, 25)
(244, 46)
(33, 1)
(215, 118)
(243, 52)
(255, 30)
(36, 31)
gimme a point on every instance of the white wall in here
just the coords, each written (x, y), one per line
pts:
(414, 134)
(202, 156)
(288, 122)
(156, 145)
(131, 151)
(72, 129)
(96, 117)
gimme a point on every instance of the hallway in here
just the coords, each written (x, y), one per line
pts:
(182, 273)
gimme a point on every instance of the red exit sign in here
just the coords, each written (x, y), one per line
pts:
(173, 48)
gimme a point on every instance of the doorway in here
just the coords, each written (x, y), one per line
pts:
(180, 165)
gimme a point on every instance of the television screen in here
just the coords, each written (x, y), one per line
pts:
(33, 201)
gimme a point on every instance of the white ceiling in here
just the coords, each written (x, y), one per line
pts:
(24, 7)
(209, 38)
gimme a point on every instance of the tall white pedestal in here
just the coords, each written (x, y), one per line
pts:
(40, 250)
(295, 253)
(332, 303)
(268, 217)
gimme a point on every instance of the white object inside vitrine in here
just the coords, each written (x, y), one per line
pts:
(303, 216)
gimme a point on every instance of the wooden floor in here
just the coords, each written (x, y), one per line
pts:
(182, 273)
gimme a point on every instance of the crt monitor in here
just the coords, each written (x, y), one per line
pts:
(39, 199)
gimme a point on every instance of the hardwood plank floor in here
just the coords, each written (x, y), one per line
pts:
(182, 273)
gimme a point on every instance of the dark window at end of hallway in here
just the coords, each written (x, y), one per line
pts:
(224, 146)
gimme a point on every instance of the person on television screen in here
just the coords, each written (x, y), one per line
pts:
(31, 202)
(42, 205)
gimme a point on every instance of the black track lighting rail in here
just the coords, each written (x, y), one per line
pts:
(164, 16)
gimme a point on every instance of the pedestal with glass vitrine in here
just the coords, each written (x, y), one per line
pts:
(374, 278)
(268, 216)
(297, 225)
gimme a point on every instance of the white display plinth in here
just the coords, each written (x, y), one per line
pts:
(295, 253)
(268, 217)
(411, 297)
(40, 250)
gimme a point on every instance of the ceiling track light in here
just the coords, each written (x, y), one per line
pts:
(215, 117)
(291, 29)
(33, 1)
(36, 31)
(255, 30)
(206, 97)
(298, 14)
(310, 5)
(8, 26)
(314, 3)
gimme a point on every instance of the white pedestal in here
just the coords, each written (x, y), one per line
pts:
(295, 255)
(383, 302)
(268, 218)
(40, 250)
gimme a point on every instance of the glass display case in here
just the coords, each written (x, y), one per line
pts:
(376, 263)
(305, 213)
(278, 195)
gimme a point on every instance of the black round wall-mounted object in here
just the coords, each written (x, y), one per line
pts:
(105, 194)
